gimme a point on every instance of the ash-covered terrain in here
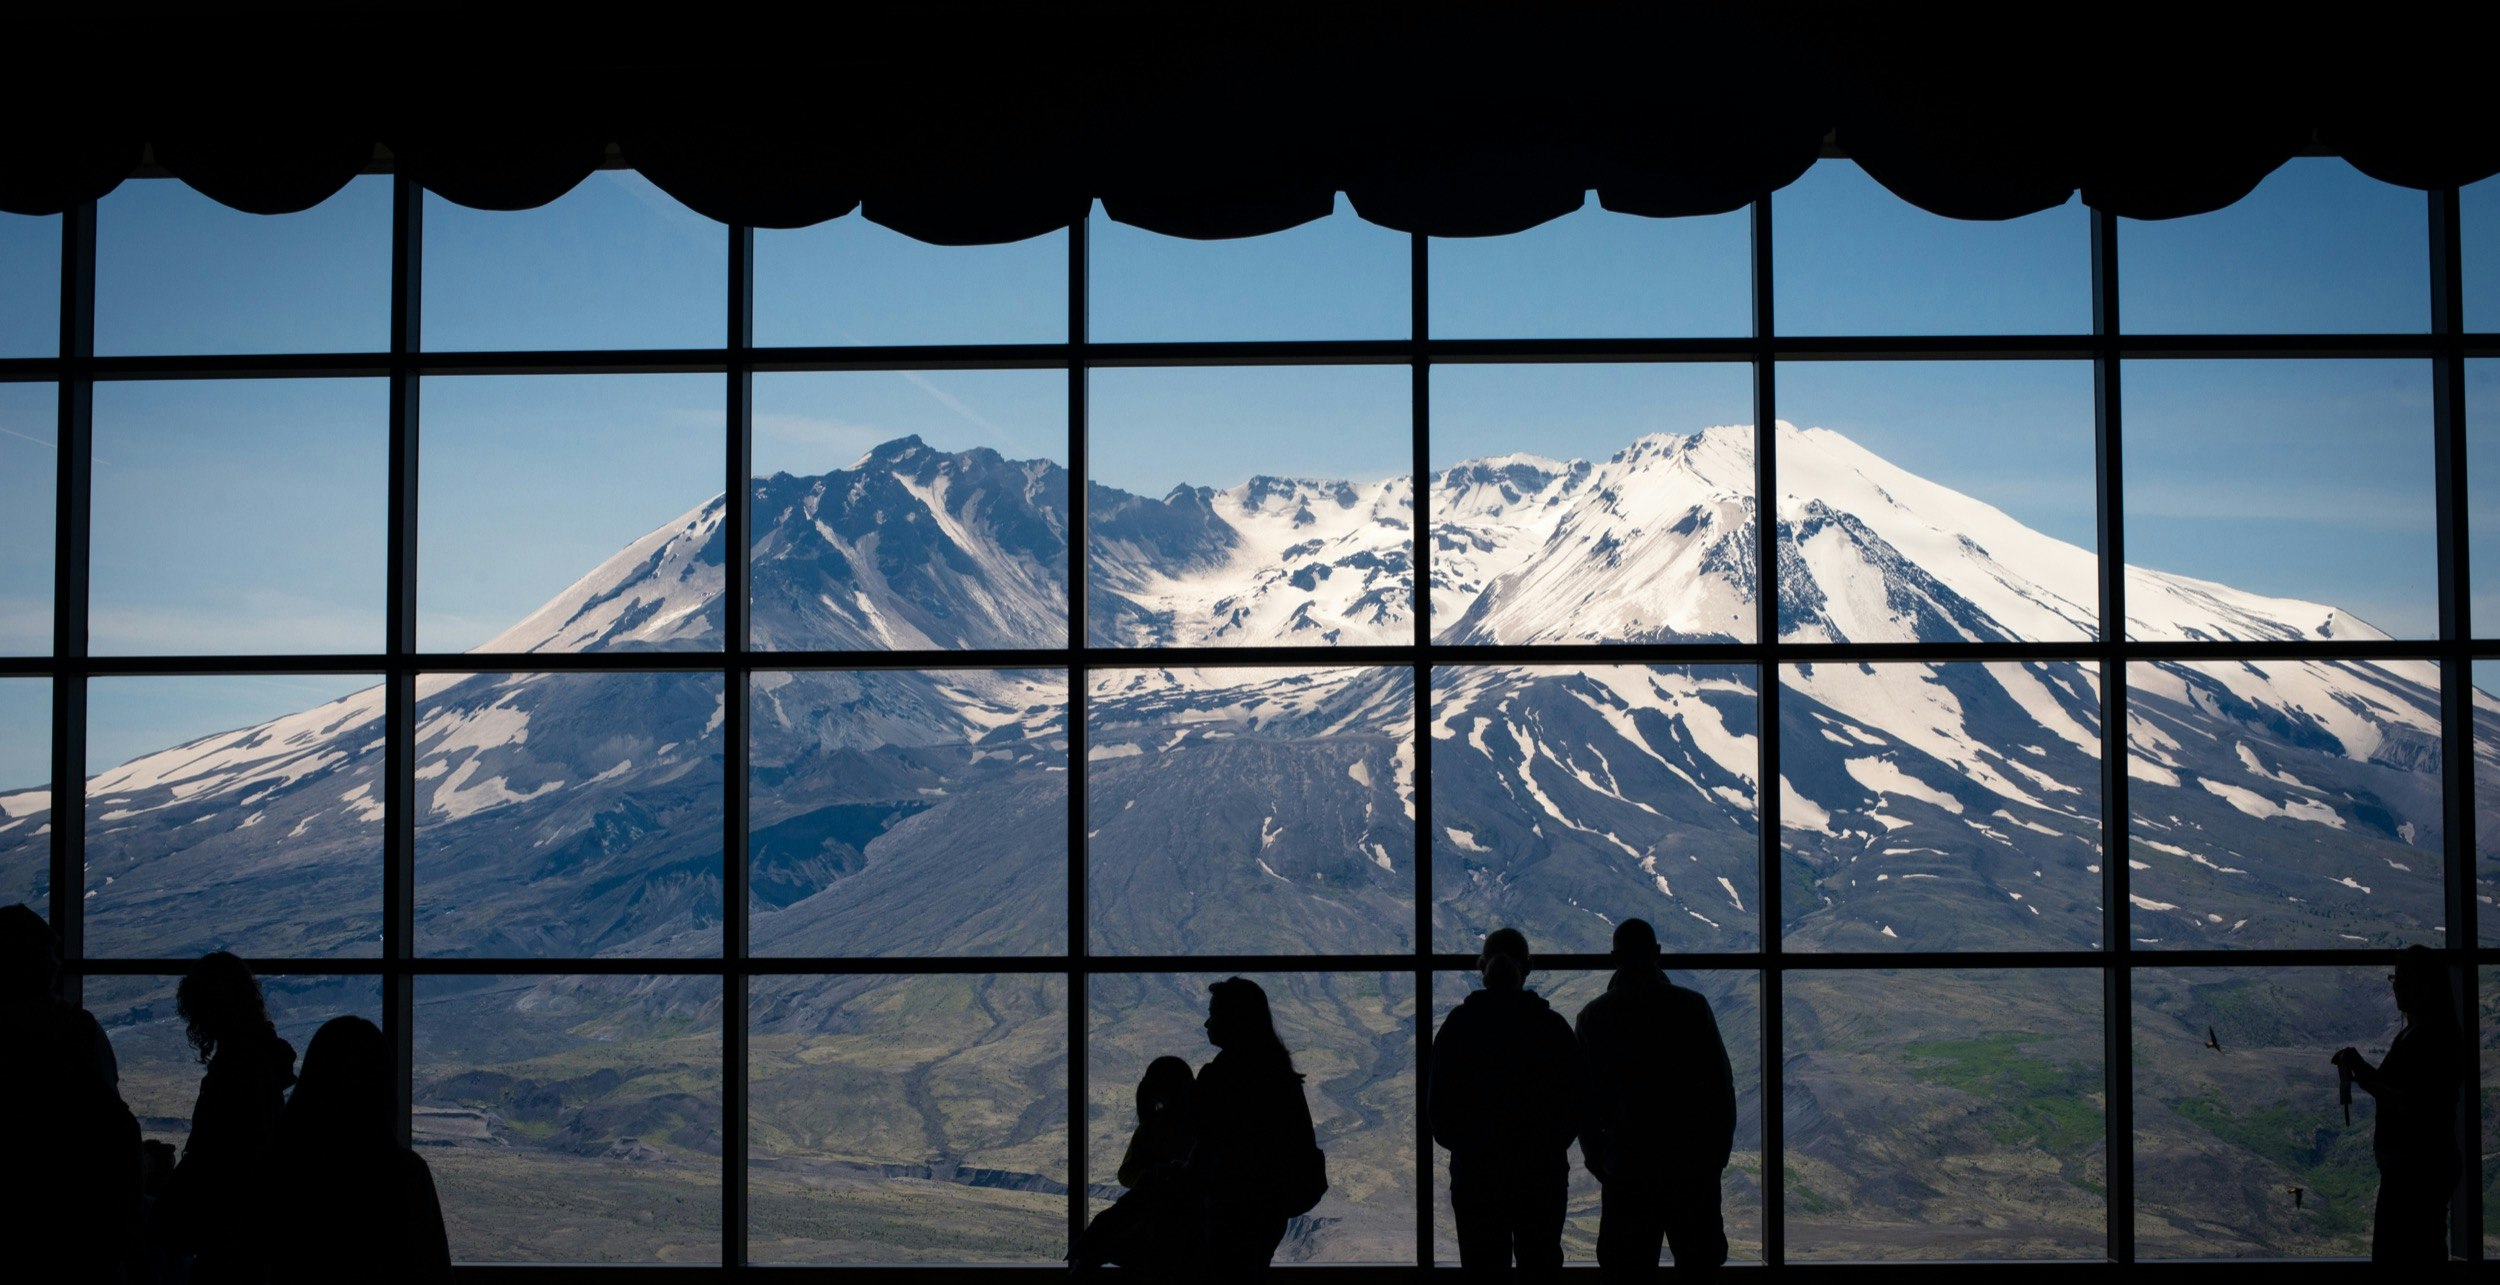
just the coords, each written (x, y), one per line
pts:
(1922, 806)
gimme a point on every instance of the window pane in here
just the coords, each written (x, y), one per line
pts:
(909, 812)
(160, 1072)
(1855, 259)
(908, 1120)
(1250, 810)
(2487, 799)
(2482, 503)
(26, 793)
(2235, 1106)
(1285, 513)
(239, 516)
(2279, 500)
(614, 263)
(1938, 1114)
(911, 509)
(29, 476)
(1938, 502)
(571, 513)
(568, 814)
(1352, 1036)
(1332, 278)
(1572, 798)
(1735, 1001)
(30, 285)
(572, 1119)
(2491, 1107)
(1597, 274)
(1941, 807)
(176, 272)
(2479, 206)
(259, 831)
(1592, 503)
(2318, 246)
(849, 281)
(2284, 803)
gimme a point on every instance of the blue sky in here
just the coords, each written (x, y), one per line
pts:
(28, 426)
(239, 516)
(176, 272)
(2480, 205)
(30, 286)
(529, 483)
(2303, 479)
(818, 421)
(1851, 258)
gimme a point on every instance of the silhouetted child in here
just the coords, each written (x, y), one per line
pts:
(1661, 1120)
(72, 1203)
(1256, 1158)
(1158, 1224)
(356, 1204)
(1505, 1098)
(215, 1204)
(2415, 1137)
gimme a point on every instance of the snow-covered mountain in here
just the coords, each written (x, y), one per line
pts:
(1922, 804)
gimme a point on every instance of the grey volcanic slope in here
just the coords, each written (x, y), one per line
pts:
(1931, 806)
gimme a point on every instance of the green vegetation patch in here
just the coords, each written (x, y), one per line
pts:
(2036, 1101)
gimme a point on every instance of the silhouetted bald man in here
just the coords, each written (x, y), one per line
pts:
(1662, 1117)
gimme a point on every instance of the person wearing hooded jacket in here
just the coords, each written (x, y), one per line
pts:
(1505, 1097)
(1662, 1117)
(213, 1205)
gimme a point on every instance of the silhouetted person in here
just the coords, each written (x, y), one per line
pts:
(216, 1204)
(73, 1198)
(2415, 1140)
(1158, 1224)
(1254, 1132)
(351, 1202)
(1662, 1117)
(1505, 1098)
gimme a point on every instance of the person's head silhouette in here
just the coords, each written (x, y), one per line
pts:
(1238, 1020)
(219, 1001)
(1165, 1090)
(30, 957)
(1504, 962)
(2422, 985)
(343, 1099)
(1636, 944)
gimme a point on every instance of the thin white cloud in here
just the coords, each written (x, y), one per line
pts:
(956, 404)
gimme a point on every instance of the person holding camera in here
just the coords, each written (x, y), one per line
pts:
(2415, 1136)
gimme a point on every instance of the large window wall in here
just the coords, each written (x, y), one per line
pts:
(781, 727)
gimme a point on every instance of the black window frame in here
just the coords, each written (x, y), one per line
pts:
(2107, 347)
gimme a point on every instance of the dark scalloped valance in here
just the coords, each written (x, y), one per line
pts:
(966, 123)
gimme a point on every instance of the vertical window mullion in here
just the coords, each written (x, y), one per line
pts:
(2117, 984)
(73, 480)
(2456, 681)
(736, 680)
(399, 718)
(1767, 745)
(1079, 469)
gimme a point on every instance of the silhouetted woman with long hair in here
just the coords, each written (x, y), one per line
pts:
(356, 1205)
(1254, 1131)
(2415, 1139)
(214, 1205)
